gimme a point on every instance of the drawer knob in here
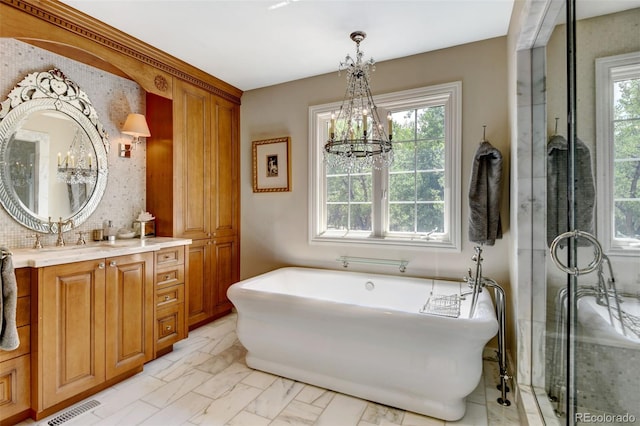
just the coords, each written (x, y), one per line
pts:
(166, 298)
(166, 277)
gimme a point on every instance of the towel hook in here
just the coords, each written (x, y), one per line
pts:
(556, 130)
(484, 132)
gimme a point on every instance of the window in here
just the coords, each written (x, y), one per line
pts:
(414, 202)
(618, 155)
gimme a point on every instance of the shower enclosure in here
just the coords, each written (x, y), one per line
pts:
(585, 172)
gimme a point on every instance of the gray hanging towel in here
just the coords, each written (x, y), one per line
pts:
(585, 193)
(9, 339)
(485, 192)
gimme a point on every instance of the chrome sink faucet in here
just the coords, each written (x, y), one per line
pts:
(60, 224)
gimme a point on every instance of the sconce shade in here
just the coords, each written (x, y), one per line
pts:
(136, 126)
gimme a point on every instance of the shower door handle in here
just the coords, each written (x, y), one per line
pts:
(597, 260)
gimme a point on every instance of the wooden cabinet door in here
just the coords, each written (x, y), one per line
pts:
(225, 168)
(129, 312)
(200, 288)
(71, 339)
(226, 269)
(192, 150)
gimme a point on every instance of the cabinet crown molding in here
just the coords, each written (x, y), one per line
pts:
(87, 27)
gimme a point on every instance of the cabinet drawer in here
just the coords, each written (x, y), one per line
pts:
(24, 334)
(170, 256)
(169, 295)
(170, 326)
(169, 276)
(15, 379)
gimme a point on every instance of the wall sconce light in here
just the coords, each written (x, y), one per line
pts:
(136, 126)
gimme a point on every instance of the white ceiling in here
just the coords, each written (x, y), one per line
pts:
(250, 45)
(257, 43)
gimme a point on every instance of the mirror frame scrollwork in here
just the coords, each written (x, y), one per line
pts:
(50, 91)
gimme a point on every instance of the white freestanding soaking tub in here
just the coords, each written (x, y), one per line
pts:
(362, 334)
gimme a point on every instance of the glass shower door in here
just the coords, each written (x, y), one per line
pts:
(593, 284)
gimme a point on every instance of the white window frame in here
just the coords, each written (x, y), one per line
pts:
(449, 95)
(609, 70)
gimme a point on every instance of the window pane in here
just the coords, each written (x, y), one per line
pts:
(627, 138)
(403, 156)
(626, 179)
(361, 187)
(430, 154)
(431, 217)
(626, 99)
(404, 126)
(627, 219)
(402, 187)
(337, 216)
(401, 217)
(431, 186)
(360, 217)
(337, 188)
(430, 123)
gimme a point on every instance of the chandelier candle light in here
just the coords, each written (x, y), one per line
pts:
(77, 165)
(357, 138)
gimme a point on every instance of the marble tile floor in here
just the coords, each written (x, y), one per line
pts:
(205, 381)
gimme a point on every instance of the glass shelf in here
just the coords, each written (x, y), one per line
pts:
(401, 264)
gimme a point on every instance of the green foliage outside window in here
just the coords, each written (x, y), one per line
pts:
(627, 158)
(416, 180)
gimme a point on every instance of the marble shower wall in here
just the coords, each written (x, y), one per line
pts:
(113, 98)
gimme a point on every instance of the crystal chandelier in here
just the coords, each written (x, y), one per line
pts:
(77, 166)
(357, 137)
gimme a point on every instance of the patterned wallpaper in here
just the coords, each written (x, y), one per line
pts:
(113, 98)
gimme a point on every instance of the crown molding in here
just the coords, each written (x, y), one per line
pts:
(87, 27)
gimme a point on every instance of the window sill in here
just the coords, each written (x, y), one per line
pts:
(624, 251)
(386, 242)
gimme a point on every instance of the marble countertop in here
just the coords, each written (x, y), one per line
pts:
(48, 256)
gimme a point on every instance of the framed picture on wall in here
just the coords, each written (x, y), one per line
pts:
(271, 165)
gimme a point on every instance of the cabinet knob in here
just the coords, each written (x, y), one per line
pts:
(168, 328)
(112, 263)
(101, 265)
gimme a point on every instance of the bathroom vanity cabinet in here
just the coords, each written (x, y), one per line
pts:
(89, 317)
(95, 322)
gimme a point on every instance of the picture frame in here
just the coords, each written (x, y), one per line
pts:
(272, 165)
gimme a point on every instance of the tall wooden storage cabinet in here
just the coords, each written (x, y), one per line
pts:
(193, 189)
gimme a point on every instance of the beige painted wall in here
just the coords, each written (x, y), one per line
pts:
(275, 225)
